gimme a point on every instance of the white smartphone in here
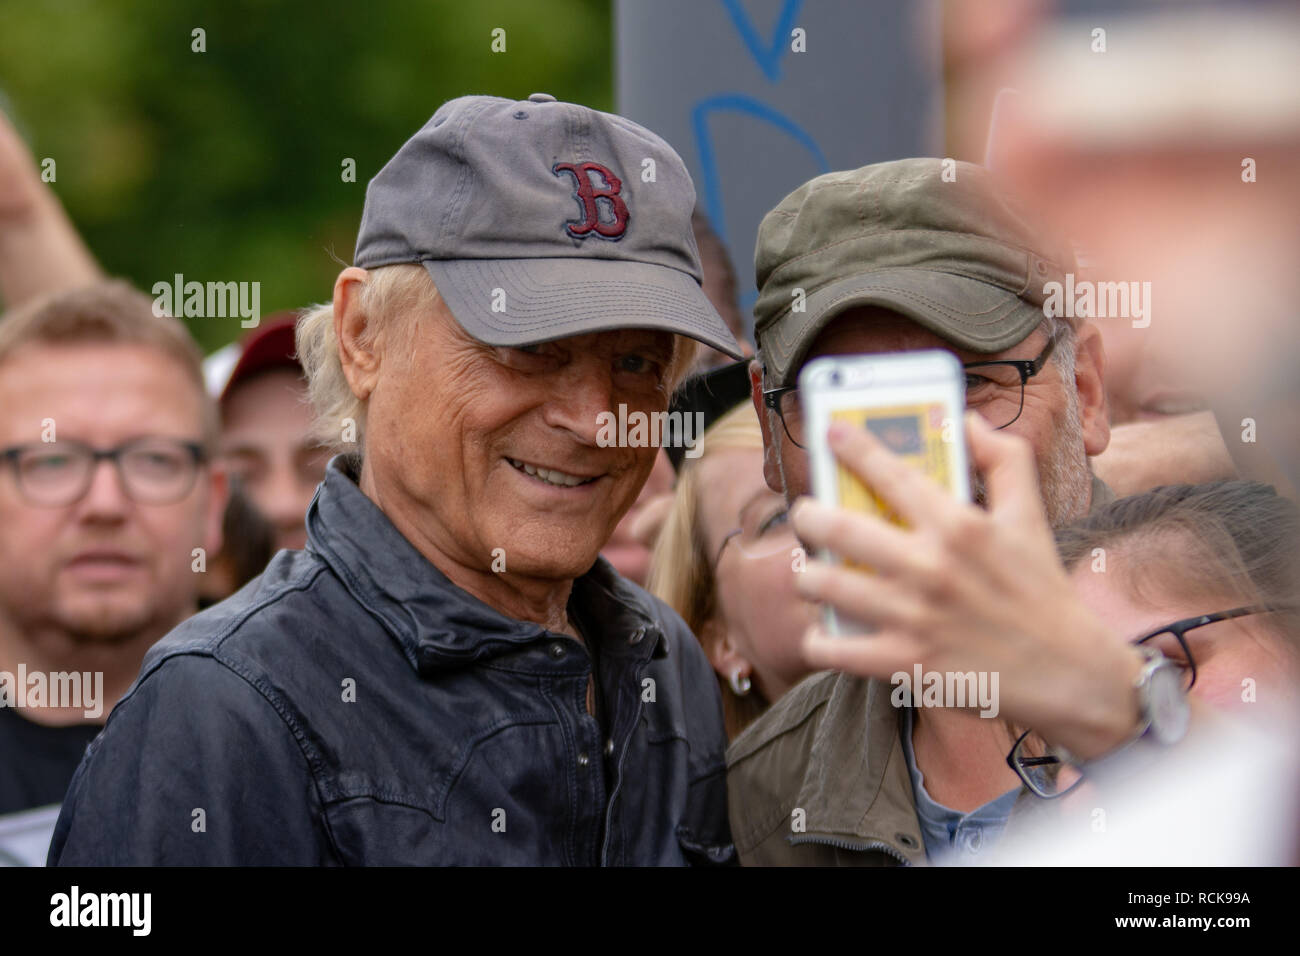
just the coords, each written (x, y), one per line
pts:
(913, 402)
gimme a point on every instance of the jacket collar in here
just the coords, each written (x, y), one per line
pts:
(856, 789)
(436, 623)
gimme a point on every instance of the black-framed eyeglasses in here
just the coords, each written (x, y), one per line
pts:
(1041, 768)
(995, 389)
(151, 470)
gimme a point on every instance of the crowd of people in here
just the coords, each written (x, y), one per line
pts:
(367, 587)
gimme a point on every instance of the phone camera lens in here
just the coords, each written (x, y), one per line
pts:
(835, 378)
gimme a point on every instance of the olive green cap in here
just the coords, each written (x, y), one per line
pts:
(950, 252)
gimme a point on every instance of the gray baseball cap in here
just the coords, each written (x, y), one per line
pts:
(539, 220)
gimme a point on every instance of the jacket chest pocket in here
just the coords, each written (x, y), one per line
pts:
(498, 796)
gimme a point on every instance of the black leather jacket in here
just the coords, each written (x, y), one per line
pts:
(352, 706)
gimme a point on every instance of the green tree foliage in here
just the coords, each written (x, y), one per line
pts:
(225, 165)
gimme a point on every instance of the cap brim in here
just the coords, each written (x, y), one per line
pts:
(965, 312)
(527, 301)
(271, 346)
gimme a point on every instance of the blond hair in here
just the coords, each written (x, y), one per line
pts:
(110, 312)
(392, 298)
(681, 569)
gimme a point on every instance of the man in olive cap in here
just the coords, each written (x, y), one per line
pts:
(912, 254)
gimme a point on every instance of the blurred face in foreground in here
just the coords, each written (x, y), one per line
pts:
(1141, 383)
(264, 440)
(1227, 653)
(1141, 212)
(102, 568)
(759, 618)
(486, 456)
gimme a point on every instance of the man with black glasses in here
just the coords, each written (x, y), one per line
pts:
(895, 257)
(108, 509)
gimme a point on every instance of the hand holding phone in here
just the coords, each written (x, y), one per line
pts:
(912, 402)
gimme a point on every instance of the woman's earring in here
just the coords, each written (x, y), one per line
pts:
(740, 685)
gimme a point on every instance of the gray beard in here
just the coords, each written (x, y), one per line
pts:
(1064, 477)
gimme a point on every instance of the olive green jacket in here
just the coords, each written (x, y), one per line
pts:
(804, 789)
(821, 780)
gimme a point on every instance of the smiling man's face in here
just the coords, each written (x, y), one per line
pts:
(473, 448)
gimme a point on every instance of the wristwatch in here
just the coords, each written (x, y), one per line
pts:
(1163, 711)
(1162, 703)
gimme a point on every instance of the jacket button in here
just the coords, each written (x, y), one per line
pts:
(557, 650)
(636, 636)
(609, 747)
(583, 760)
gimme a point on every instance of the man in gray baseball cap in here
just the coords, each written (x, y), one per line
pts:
(911, 254)
(540, 220)
(449, 673)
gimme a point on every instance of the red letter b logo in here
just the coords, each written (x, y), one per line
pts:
(587, 195)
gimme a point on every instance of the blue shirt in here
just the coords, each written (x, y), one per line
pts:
(952, 837)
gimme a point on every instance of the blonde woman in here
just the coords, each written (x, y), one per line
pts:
(724, 562)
